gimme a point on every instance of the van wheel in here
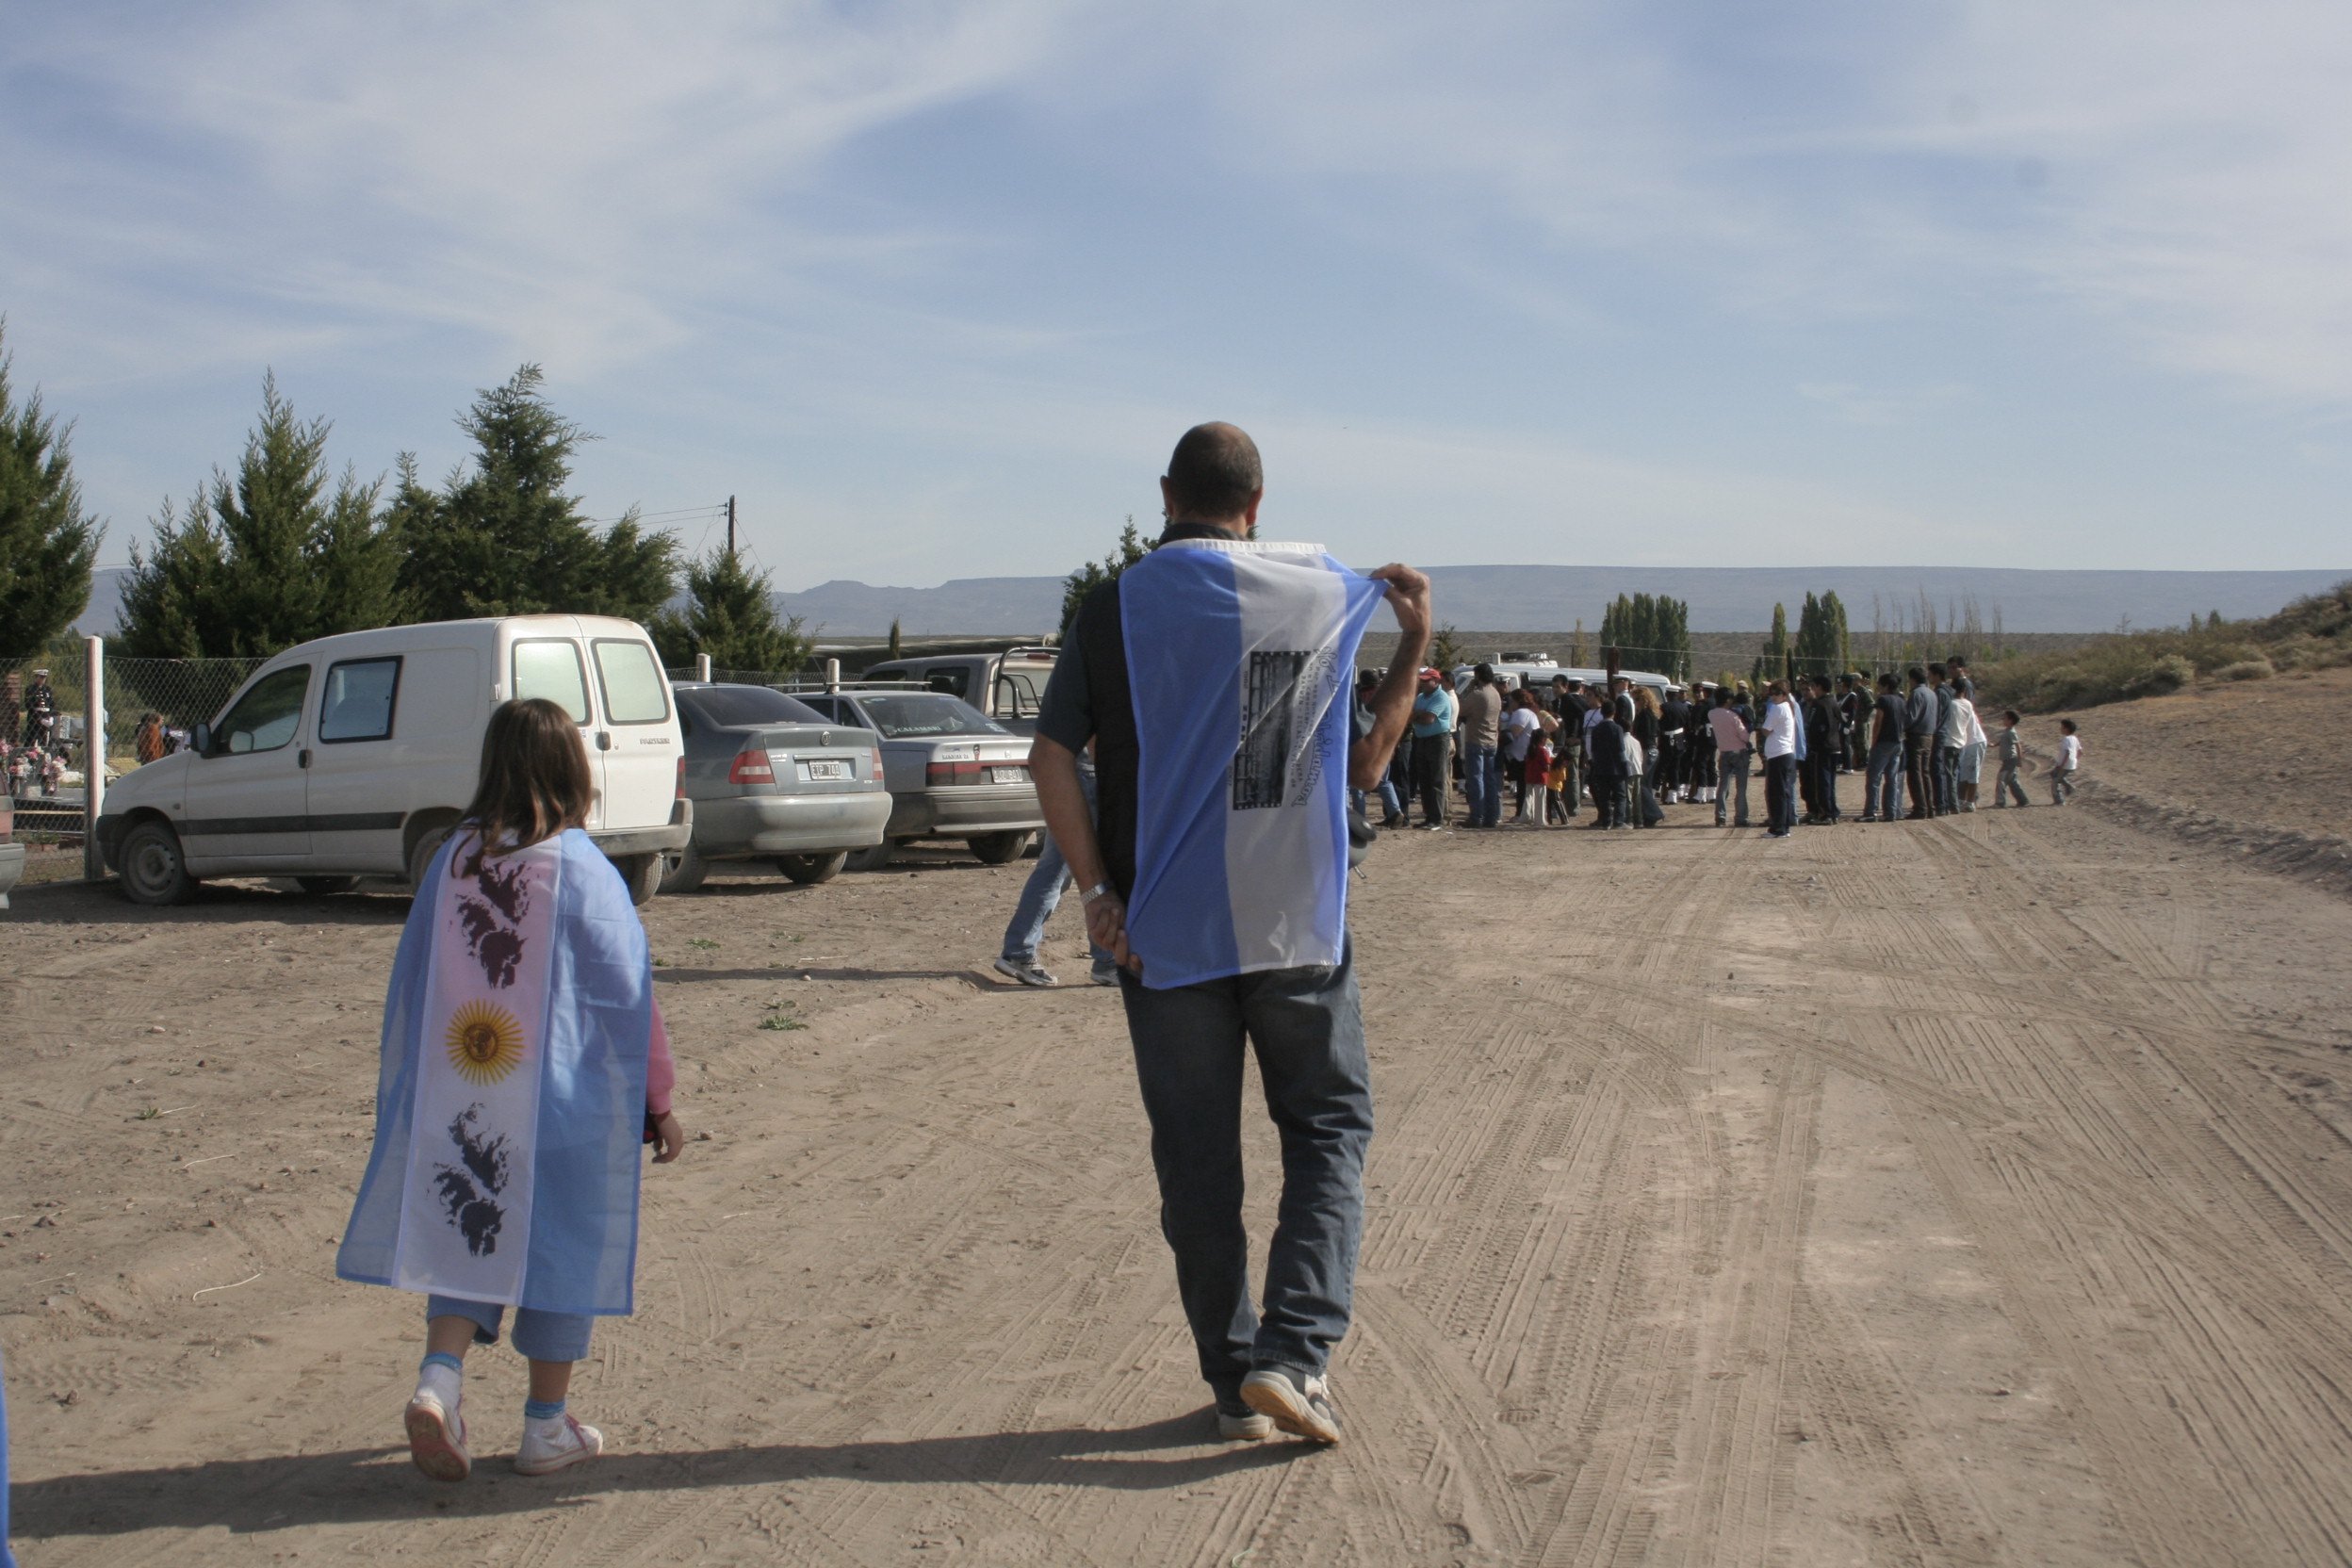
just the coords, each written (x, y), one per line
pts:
(808, 870)
(685, 874)
(420, 854)
(870, 860)
(997, 849)
(642, 872)
(321, 886)
(152, 870)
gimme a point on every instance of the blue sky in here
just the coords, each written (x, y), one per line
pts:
(932, 289)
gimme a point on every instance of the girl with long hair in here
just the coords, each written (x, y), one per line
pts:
(524, 1064)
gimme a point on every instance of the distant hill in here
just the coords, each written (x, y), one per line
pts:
(1722, 598)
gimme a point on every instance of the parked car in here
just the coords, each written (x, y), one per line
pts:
(11, 853)
(772, 779)
(1005, 686)
(953, 771)
(352, 755)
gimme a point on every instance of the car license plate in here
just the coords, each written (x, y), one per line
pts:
(828, 770)
(1008, 775)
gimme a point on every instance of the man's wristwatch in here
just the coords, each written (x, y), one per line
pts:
(1094, 893)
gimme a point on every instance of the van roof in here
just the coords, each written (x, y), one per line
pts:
(483, 627)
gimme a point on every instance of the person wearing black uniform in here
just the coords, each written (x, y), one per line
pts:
(1882, 787)
(1673, 728)
(1824, 749)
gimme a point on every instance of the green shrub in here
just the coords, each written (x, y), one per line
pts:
(2167, 674)
(2246, 669)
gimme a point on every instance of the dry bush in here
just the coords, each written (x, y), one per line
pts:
(2310, 634)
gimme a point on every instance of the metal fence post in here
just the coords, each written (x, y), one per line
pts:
(93, 759)
(702, 667)
(832, 674)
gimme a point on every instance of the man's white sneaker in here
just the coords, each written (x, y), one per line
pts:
(437, 1438)
(1245, 1426)
(1298, 1404)
(549, 1446)
(1030, 973)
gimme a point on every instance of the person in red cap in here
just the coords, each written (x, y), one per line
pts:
(1433, 710)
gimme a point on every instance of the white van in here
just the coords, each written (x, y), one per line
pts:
(352, 755)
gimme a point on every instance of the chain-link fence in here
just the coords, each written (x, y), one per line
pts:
(150, 706)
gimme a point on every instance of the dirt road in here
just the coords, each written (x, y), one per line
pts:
(1970, 1192)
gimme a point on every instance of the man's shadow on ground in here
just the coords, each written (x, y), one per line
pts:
(249, 1495)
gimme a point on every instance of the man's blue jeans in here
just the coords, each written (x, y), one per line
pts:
(1946, 777)
(1731, 779)
(1391, 807)
(1882, 788)
(1482, 786)
(1042, 893)
(1190, 1045)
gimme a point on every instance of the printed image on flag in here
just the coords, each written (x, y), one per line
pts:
(511, 1102)
(1240, 661)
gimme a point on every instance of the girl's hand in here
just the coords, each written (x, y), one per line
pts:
(669, 1138)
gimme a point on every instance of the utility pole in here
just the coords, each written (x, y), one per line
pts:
(730, 528)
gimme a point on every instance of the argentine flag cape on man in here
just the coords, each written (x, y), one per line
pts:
(1241, 666)
(510, 1097)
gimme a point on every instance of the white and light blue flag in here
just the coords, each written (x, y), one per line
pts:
(510, 1106)
(1241, 666)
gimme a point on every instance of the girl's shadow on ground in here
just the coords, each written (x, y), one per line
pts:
(249, 1495)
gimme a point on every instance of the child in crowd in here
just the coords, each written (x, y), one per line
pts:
(2012, 746)
(524, 1063)
(2069, 758)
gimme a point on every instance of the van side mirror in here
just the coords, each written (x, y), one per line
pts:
(201, 739)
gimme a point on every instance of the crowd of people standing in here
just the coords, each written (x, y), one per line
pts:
(1628, 750)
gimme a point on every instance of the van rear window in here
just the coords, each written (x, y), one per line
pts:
(725, 707)
(634, 692)
(549, 667)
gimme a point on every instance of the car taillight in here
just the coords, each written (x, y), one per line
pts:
(877, 762)
(681, 779)
(751, 767)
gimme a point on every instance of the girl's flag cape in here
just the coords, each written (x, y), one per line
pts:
(511, 1100)
(1240, 657)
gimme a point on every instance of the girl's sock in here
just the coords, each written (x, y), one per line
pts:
(442, 1376)
(543, 1416)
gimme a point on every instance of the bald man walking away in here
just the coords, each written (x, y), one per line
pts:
(1217, 877)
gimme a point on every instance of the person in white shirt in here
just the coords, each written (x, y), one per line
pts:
(2069, 758)
(1964, 733)
(1780, 761)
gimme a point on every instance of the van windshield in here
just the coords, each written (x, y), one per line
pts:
(916, 714)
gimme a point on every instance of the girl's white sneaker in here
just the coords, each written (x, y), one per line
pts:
(437, 1438)
(552, 1446)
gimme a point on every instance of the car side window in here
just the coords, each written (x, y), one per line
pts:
(266, 717)
(549, 667)
(358, 702)
(633, 688)
(953, 681)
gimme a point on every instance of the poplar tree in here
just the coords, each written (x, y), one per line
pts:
(47, 541)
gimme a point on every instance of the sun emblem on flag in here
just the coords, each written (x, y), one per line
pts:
(485, 1043)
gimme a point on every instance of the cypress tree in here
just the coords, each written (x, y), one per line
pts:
(267, 558)
(502, 538)
(730, 615)
(1086, 578)
(47, 542)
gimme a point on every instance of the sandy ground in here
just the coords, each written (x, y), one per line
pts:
(1970, 1192)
